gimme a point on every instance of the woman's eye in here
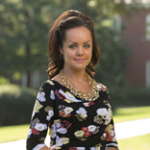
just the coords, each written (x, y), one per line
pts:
(73, 46)
(86, 46)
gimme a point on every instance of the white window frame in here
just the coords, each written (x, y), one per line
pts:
(148, 73)
(148, 27)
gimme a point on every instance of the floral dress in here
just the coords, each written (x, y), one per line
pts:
(74, 124)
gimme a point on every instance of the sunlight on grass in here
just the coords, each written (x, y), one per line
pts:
(12, 133)
(127, 114)
(136, 143)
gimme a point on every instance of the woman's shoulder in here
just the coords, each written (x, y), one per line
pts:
(52, 84)
(47, 85)
(102, 87)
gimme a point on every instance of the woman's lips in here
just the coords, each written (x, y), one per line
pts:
(79, 60)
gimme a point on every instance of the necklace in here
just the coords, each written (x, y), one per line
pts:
(92, 95)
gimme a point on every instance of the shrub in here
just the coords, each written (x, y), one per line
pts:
(4, 80)
(131, 96)
(16, 104)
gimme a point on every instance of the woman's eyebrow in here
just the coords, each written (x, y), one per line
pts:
(72, 42)
(77, 43)
(87, 41)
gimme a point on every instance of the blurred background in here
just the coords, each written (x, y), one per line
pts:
(122, 32)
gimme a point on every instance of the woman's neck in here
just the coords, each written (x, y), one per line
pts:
(75, 76)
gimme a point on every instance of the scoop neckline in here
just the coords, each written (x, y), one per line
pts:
(63, 85)
(69, 89)
(59, 83)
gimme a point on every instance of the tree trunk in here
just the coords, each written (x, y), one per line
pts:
(28, 55)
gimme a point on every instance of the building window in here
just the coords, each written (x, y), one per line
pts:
(148, 27)
(148, 73)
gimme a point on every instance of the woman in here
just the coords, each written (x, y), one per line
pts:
(71, 104)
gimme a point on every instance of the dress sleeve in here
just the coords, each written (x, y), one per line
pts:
(42, 116)
(110, 136)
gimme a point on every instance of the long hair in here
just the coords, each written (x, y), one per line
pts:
(68, 20)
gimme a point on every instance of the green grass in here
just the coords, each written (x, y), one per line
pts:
(135, 143)
(12, 133)
(133, 113)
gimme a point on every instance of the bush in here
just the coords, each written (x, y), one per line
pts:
(133, 96)
(4, 80)
(16, 104)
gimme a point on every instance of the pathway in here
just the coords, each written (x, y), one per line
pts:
(124, 130)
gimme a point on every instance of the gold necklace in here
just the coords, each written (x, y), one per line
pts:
(92, 95)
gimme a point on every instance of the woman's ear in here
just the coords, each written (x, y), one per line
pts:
(60, 50)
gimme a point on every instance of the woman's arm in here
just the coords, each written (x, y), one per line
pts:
(111, 142)
(42, 116)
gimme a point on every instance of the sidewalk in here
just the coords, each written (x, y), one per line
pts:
(124, 130)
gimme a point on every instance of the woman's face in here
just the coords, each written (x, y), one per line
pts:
(77, 48)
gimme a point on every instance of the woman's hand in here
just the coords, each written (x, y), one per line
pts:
(45, 148)
(112, 148)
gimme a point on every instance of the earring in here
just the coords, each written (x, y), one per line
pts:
(61, 56)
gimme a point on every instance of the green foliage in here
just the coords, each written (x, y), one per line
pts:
(131, 96)
(16, 104)
(4, 81)
(25, 25)
(23, 36)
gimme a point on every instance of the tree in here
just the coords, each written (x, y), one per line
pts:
(23, 36)
(24, 28)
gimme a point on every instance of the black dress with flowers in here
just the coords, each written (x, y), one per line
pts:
(74, 124)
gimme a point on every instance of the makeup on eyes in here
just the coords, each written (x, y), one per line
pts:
(76, 45)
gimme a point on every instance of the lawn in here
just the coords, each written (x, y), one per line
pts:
(136, 143)
(12, 133)
(133, 113)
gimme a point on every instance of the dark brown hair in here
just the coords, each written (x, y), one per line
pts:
(68, 20)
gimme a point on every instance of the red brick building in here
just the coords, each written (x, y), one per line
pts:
(137, 34)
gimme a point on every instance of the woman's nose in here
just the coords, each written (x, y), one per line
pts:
(80, 51)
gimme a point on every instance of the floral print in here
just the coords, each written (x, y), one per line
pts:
(61, 141)
(50, 82)
(103, 116)
(41, 97)
(87, 104)
(86, 132)
(81, 114)
(36, 127)
(71, 121)
(52, 95)
(37, 107)
(40, 127)
(97, 147)
(60, 126)
(69, 98)
(110, 133)
(49, 111)
(59, 95)
(65, 111)
(76, 148)
(102, 87)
